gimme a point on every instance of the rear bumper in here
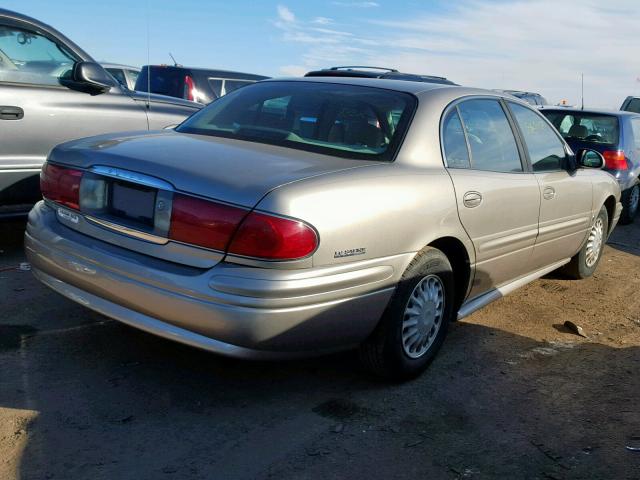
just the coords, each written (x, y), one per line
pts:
(228, 309)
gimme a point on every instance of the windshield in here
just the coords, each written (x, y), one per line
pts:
(341, 120)
(593, 128)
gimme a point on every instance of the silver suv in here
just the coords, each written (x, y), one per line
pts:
(52, 91)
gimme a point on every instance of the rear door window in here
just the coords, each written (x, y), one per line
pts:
(635, 126)
(491, 140)
(546, 150)
(454, 142)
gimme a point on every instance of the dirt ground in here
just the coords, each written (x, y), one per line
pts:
(512, 394)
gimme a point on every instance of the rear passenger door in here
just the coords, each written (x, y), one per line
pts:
(566, 205)
(498, 198)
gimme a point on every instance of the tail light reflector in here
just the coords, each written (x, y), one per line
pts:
(61, 185)
(234, 230)
(204, 223)
(615, 160)
(273, 238)
(188, 88)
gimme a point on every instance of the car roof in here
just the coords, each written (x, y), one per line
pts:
(213, 71)
(597, 111)
(448, 92)
(384, 83)
(376, 72)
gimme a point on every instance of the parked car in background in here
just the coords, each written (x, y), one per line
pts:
(318, 214)
(195, 84)
(52, 91)
(529, 97)
(125, 74)
(377, 72)
(616, 135)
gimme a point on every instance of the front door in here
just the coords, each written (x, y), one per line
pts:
(498, 200)
(566, 205)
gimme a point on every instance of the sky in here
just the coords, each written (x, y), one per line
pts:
(536, 45)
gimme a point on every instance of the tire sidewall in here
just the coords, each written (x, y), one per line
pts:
(431, 262)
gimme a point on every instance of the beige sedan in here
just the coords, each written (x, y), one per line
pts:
(295, 217)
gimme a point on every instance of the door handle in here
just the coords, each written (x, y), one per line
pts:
(472, 199)
(549, 193)
(11, 113)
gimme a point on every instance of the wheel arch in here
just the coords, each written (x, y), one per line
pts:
(610, 205)
(460, 261)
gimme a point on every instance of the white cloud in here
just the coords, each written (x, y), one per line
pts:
(322, 21)
(285, 14)
(357, 4)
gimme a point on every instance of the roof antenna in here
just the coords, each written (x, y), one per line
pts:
(582, 94)
(148, 63)
(175, 64)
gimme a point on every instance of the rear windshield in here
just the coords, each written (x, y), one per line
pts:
(343, 120)
(164, 80)
(593, 128)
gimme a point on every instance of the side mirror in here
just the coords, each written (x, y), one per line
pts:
(93, 76)
(590, 158)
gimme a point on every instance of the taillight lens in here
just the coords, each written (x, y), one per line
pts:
(234, 230)
(273, 238)
(615, 160)
(204, 223)
(188, 88)
(61, 185)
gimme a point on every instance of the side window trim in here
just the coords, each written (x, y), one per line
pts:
(522, 145)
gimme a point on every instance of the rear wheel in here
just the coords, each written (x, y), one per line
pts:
(585, 262)
(415, 323)
(630, 202)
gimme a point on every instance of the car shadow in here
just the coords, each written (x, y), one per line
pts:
(626, 238)
(113, 402)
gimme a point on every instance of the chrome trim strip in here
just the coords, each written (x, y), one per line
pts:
(494, 294)
(147, 237)
(133, 177)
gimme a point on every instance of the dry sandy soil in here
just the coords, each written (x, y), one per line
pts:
(513, 394)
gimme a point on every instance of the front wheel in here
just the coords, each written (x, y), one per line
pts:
(415, 322)
(630, 202)
(585, 262)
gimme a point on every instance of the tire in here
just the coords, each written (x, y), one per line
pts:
(585, 262)
(429, 277)
(630, 204)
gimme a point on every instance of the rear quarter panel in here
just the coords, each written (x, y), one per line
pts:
(372, 212)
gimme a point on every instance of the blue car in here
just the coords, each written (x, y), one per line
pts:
(616, 135)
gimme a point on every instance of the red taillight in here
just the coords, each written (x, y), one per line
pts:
(273, 238)
(188, 88)
(61, 185)
(204, 223)
(258, 235)
(615, 160)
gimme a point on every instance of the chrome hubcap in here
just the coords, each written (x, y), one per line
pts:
(423, 316)
(594, 243)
